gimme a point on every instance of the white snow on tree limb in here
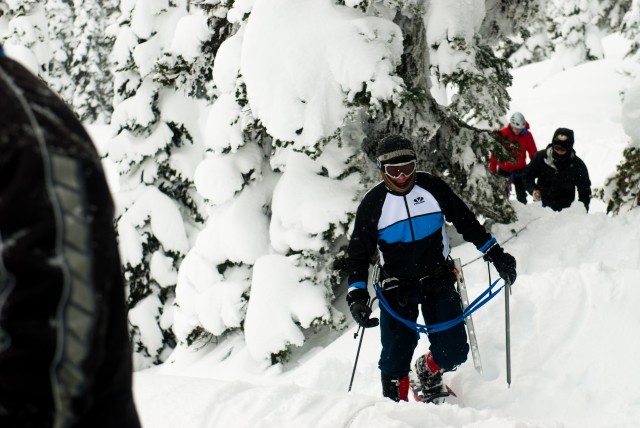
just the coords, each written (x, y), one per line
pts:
(323, 64)
(282, 302)
(164, 218)
(306, 203)
(191, 32)
(631, 112)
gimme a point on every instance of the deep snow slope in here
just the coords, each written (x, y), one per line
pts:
(574, 349)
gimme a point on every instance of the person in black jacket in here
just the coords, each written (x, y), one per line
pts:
(554, 174)
(65, 354)
(403, 220)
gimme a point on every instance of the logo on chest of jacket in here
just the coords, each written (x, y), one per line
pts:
(418, 200)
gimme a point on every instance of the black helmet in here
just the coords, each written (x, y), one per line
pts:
(394, 149)
(563, 137)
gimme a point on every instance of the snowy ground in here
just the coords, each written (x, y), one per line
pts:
(573, 315)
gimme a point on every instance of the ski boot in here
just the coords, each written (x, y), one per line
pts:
(397, 389)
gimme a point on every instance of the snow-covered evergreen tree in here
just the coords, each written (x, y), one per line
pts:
(157, 145)
(622, 189)
(613, 14)
(26, 34)
(60, 13)
(575, 31)
(521, 30)
(631, 28)
(192, 73)
(64, 42)
(91, 94)
(252, 216)
(568, 31)
(214, 278)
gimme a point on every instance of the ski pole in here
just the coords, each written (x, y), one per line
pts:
(355, 364)
(507, 290)
(514, 234)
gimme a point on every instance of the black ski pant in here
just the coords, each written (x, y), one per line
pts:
(449, 347)
(515, 177)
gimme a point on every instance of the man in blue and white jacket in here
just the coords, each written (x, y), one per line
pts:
(403, 219)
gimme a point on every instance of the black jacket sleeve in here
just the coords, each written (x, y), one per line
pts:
(583, 183)
(532, 172)
(363, 242)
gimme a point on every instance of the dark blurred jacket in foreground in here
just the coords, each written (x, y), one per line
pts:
(65, 355)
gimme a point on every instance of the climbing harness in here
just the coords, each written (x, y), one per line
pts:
(479, 302)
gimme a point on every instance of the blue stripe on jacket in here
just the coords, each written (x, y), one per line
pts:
(487, 245)
(423, 226)
(360, 284)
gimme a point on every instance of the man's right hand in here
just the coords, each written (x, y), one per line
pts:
(536, 195)
(358, 301)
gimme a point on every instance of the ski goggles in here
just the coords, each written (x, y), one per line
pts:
(395, 170)
(559, 149)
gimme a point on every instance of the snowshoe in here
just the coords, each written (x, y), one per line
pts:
(435, 395)
(428, 386)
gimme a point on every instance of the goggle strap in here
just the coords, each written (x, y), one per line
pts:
(395, 154)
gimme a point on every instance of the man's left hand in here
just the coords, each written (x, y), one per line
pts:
(504, 263)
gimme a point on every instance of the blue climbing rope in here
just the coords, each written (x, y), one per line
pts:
(479, 302)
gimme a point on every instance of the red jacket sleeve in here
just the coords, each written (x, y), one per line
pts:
(531, 146)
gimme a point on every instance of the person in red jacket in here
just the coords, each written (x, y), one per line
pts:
(517, 130)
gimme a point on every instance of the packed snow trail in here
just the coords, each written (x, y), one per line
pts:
(179, 402)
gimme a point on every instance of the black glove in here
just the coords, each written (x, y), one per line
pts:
(504, 263)
(358, 300)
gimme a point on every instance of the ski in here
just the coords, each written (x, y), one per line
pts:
(462, 290)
